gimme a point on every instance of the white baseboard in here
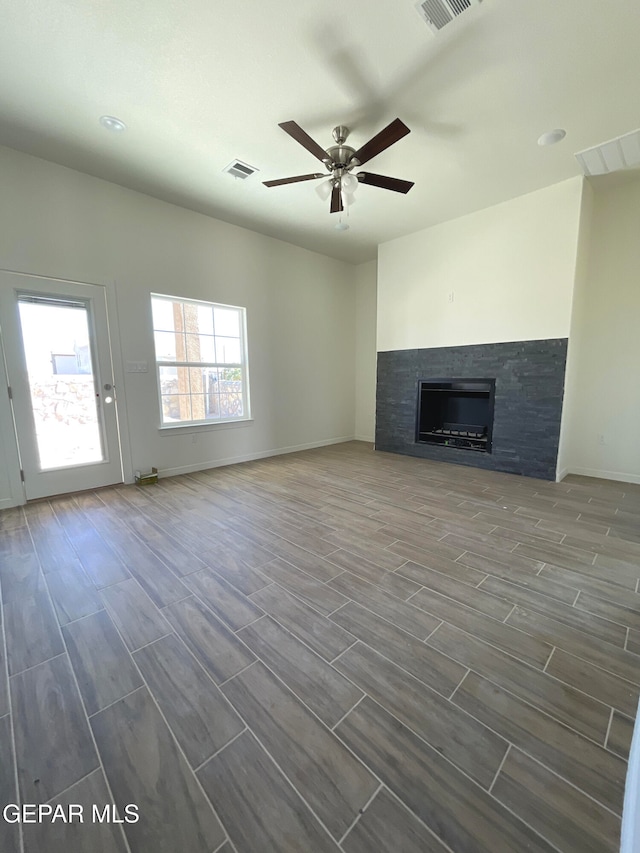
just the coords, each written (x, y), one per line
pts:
(368, 438)
(619, 476)
(560, 475)
(249, 457)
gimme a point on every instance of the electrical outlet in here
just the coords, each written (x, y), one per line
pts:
(451, 295)
(601, 439)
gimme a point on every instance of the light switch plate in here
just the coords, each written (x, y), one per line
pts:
(137, 367)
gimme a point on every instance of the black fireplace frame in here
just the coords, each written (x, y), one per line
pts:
(461, 439)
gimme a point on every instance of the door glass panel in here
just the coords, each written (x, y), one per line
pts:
(61, 382)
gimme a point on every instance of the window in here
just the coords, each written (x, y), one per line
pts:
(201, 361)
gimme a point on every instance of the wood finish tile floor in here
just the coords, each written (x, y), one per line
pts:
(336, 650)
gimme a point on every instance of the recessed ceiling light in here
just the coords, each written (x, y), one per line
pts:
(112, 123)
(551, 137)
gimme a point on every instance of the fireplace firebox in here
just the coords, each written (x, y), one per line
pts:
(456, 413)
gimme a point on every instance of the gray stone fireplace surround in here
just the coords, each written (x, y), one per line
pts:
(529, 379)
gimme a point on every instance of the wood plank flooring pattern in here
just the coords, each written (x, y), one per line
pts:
(335, 650)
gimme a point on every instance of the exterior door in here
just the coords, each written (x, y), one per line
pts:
(56, 345)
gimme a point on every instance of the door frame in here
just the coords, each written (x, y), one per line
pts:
(7, 424)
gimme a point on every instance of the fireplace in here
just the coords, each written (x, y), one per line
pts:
(529, 386)
(456, 413)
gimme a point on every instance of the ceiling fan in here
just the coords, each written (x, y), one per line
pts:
(340, 160)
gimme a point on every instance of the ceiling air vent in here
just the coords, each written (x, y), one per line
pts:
(439, 13)
(623, 152)
(240, 170)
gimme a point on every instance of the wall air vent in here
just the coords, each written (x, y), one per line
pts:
(439, 13)
(240, 170)
(613, 156)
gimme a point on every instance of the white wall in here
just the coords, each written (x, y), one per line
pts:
(300, 305)
(603, 384)
(571, 403)
(365, 398)
(509, 269)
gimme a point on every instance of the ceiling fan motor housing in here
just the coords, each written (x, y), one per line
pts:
(340, 156)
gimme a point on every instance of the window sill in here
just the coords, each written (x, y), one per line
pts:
(185, 429)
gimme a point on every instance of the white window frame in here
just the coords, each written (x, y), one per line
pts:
(211, 423)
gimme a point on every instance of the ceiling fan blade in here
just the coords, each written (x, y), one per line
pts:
(293, 180)
(336, 200)
(390, 134)
(296, 132)
(386, 183)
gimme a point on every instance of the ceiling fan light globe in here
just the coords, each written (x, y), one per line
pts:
(349, 183)
(324, 188)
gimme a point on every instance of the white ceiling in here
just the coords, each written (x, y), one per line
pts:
(201, 82)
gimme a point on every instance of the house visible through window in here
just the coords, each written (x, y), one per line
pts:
(201, 361)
